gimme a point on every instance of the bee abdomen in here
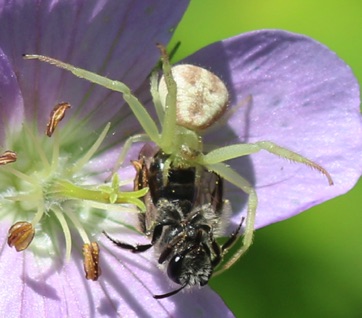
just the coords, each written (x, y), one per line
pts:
(179, 186)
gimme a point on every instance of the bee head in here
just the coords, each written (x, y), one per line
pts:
(190, 268)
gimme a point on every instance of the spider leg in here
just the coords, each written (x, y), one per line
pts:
(233, 177)
(239, 150)
(228, 152)
(138, 109)
(293, 156)
(156, 96)
(169, 120)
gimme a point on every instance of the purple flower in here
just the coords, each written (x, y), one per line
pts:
(116, 38)
(303, 98)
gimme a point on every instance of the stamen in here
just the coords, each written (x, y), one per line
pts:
(55, 150)
(7, 157)
(126, 147)
(91, 261)
(43, 183)
(68, 240)
(56, 116)
(78, 226)
(38, 147)
(38, 215)
(20, 235)
(21, 175)
(23, 197)
(82, 161)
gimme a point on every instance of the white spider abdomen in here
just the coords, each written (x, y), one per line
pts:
(202, 97)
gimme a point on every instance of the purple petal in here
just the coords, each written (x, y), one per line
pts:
(138, 279)
(11, 100)
(303, 98)
(114, 38)
(35, 287)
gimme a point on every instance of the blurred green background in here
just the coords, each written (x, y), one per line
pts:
(310, 265)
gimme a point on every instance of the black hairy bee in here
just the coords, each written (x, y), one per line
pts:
(184, 214)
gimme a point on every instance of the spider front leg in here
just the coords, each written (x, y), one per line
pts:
(144, 118)
(168, 134)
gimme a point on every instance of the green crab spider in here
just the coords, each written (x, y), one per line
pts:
(180, 137)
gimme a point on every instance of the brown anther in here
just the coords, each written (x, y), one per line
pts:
(20, 235)
(91, 261)
(56, 116)
(7, 157)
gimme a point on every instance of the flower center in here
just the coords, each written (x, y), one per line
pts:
(48, 186)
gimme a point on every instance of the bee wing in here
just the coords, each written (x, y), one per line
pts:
(211, 190)
(146, 220)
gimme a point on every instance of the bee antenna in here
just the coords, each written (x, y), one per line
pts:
(170, 293)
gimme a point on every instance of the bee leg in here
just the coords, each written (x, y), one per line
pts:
(232, 238)
(133, 248)
(220, 251)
